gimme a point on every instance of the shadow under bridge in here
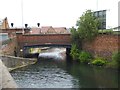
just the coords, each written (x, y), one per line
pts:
(27, 53)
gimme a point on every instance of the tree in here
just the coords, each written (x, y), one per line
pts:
(87, 30)
(88, 26)
(74, 35)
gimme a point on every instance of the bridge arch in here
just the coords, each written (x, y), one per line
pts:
(27, 48)
(43, 40)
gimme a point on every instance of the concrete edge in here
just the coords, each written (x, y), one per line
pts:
(11, 69)
(1, 55)
(30, 59)
(7, 79)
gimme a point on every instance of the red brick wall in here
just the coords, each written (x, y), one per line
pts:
(36, 39)
(8, 48)
(103, 45)
(42, 39)
(11, 32)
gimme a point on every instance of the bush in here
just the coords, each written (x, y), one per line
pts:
(99, 62)
(116, 58)
(74, 52)
(109, 31)
(85, 57)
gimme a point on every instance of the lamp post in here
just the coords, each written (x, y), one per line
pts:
(22, 16)
(96, 5)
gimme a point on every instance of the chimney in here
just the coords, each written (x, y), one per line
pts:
(26, 25)
(38, 24)
(12, 24)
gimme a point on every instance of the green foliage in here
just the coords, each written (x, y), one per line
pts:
(75, 37)
(99, 62)
(88, 26)
(74, 52)
(109, 31)
(116, 58)
(116, 32)
(85, 57)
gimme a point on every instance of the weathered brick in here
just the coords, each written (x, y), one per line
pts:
(103, 45)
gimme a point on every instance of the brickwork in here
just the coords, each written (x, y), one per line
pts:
(8, 46)
(103, 45)
(43, 39)
(12, 31)
(38, 39)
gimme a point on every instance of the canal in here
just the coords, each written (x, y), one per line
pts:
(55, 70)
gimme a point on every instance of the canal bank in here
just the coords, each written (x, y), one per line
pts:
(9, 63)
(6, 80)
(12, 62)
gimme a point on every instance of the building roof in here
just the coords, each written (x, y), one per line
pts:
(48, 30)
(60, 29)
(35, 30)
(45, 29)
(116, 27)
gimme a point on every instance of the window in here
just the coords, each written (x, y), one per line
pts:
(100, 13)
(96, 14)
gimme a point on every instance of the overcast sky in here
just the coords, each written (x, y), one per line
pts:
(56, 13)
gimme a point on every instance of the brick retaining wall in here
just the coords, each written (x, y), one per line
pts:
(8, 47)
(103, 45)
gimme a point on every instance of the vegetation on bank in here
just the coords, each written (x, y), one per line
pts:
(87, 58)
(87, 30)
(99, 61)
(115, 62)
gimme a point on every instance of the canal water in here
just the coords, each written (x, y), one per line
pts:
(54, 70)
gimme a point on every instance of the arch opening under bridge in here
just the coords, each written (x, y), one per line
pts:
(26, 49)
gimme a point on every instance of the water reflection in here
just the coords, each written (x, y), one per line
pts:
(64, 73)
(44, 74)
(93, 77)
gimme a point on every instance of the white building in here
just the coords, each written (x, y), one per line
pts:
(111, 12)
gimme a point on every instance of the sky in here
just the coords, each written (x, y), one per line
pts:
(56, 13)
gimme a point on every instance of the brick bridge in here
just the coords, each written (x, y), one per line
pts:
(43, 40)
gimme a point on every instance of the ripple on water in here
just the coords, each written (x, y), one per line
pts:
(44, 78)
(45, 74)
